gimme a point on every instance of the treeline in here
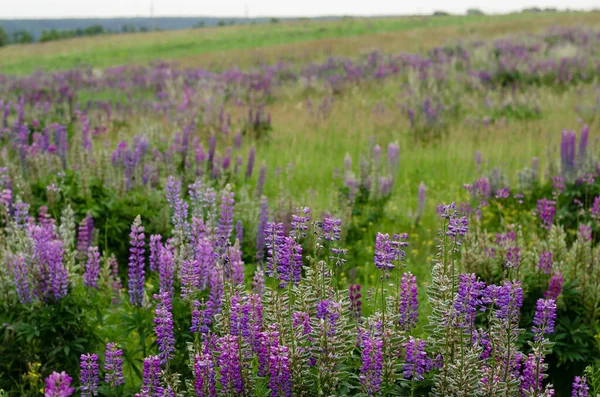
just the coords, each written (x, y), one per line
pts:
(24, 37)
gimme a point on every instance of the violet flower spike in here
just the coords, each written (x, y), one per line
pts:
(136, 263)
(89, 375)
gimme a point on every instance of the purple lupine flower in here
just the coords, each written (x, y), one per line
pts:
(166, 270)
(509, 301)
(567, 152)
(229, 362)
(258, 282)
(155, 245)
(92, 268)
(580, 387)
(275, 241)
(235, 270)
(57, 274)
(371, 371)
(58, 385)
(22, 279)
(201, 317)
(279, 368)
(408, 305)
(237, 143)
(262, 224)
(191, 273)
(417, 364)
(512, 258)
(596, 208)
(226, 218)
(355, 301)
(585, 232)
(116, 281)
(151, 377)
(545, 210)
(84, 235)
(545, 315)
(205, 383)
(457, 227)
(545, 263)
(21, 214)
(239, 231)
(113, 365)
(163, 321)
(331, 228)
(554, 286)
(299, 224)
(216, 285)
(531, 367)
(481, 338)
(179, 206)
(226, 159)
(250, 163)
(136, 263)
(260, 183)
(239, 160)
(468, 299)
(328, 310)
(388, 251)
(558, 184)
(89, 375)
(393, 157)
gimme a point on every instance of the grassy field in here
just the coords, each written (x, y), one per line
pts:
(246, 45)
(316, 147)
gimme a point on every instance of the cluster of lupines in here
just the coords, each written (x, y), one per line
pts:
(300, 329)
(375, 176)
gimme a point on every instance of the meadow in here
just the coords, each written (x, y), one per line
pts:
(395, 206)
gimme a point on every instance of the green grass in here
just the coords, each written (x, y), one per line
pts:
(106, 51)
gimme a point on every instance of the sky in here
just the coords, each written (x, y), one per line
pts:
(282, 8)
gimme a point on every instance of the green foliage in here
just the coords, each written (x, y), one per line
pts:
(54, 335)
(3, 37)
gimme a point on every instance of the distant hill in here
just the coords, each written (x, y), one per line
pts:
(36, 26)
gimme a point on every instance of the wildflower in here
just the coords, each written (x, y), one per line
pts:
(408, 303)
(89, 375)
(513, 258)
(545, 263)
(92, 268)
(163, 321)
(151, 377)
(545, 315)
(371, 371)
(226, 218)
(555, 286)
(580, 387)
(205, 375)
(388, 251)
(545, 210)
(417, 363)
(136, 263)
(229, 362)
(113, 365)
(154, 246)
(355, 301)
(468, 299)
(58, 385)
(331, 228)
